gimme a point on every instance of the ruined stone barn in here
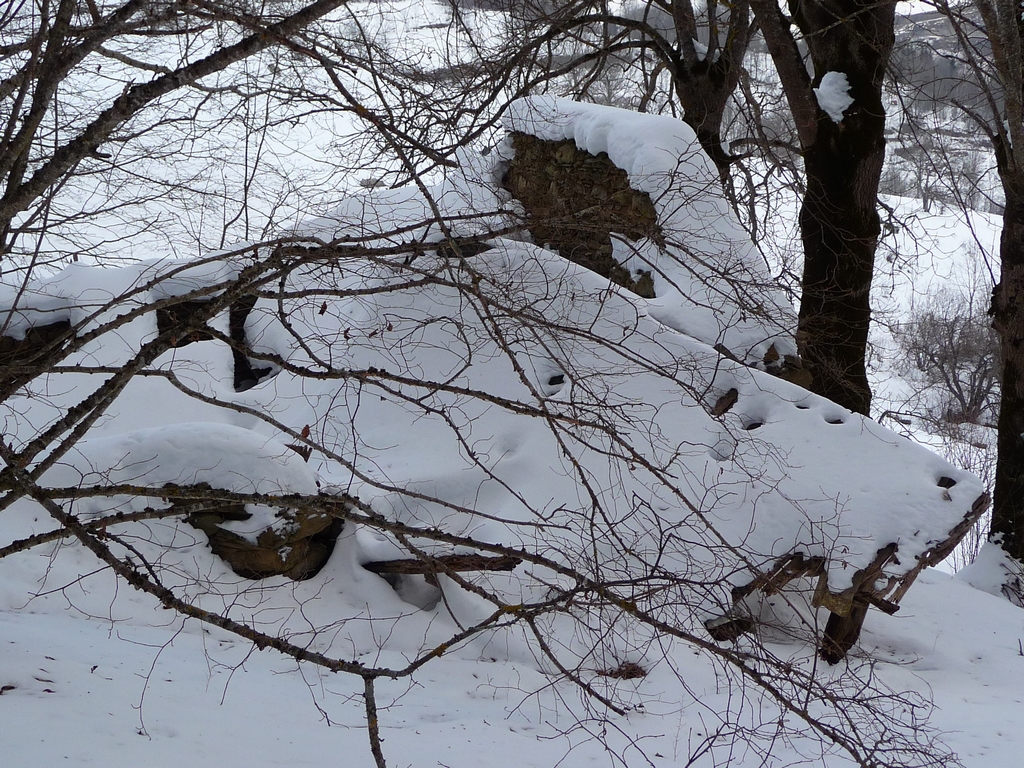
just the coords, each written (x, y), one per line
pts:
(581, 367)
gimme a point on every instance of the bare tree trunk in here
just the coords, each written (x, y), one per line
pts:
(1003, 81)
(1008, 320)
(704, 78)
(704, 91)
(843, 160)
(705, 82)
(839, 227)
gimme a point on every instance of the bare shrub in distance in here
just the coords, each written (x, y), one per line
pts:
(950, 355)
(952, 351)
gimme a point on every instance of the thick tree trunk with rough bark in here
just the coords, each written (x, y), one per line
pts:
(706, 81)
(703, 93)
(843, 159)
(839, 227)
(1002, 79)
(1008, 320)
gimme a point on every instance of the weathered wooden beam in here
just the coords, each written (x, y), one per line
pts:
(942, 549)
(787, 568)
(841, 632)
(442, 563)
(848, 608)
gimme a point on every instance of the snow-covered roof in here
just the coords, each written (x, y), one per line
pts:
(781, 471)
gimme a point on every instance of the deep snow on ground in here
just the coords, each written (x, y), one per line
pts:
(101, 675)
(95, 692)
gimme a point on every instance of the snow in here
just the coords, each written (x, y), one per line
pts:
(796, 432)
(833, 95)
(991, 571)
(710, 281)
(591, 441)
(218, 455)
(91, 690)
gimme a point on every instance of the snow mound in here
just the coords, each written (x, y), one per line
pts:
(438, 413)
(505, 399)
(781, 471)
(995, 572)
(219, 455)
(464, 204)
(709, 279)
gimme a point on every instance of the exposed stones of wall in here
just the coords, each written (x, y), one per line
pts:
(574, 201)
(178, 320)
(300, 544)
(788, 367)
(37, 343)
(298, 547)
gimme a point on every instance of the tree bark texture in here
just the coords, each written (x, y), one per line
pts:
(839, 228)
(1008, 320)
(705, 82)
(839, 221)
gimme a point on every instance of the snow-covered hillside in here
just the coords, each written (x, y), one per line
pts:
(497, 401)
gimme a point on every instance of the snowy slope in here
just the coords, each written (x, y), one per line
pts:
(512, 399)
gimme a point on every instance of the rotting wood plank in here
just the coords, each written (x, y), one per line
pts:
(849, 607)
(443, 563)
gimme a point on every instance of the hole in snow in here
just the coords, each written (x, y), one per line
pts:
(753, 425)
(946, 482)
(553, 382)
(246, 374)
(723, 449)
(836, 420)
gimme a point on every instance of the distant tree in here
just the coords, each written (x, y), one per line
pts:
(936, 152)
(949, 354)
(678, 55)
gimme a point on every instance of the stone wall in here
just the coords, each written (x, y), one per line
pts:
(297, 548)
(16, 355)
(574, 201)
